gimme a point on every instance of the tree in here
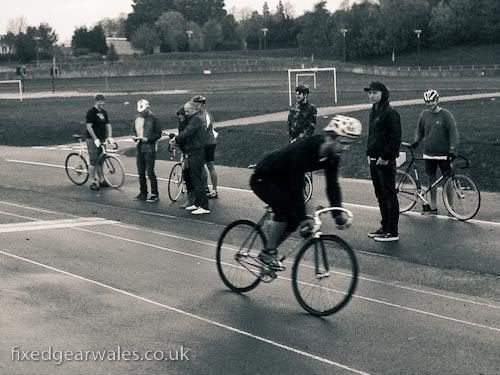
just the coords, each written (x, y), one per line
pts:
(89, 40)
(172, 31)
(230, 38)
(17, 25)
(265, 10)
(249, 31)
(146, 39)
(212, 35)
(146, 12)
(114, 27)
(112, 56)
(314, 31)
(200, 11)
(442, 25)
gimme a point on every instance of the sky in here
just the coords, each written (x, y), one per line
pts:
(66, 15)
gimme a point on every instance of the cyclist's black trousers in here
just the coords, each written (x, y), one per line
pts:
(146, 157)
(384, 183)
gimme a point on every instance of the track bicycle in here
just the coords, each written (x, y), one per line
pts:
(176, 184)
(324, 272)
(460, 193)
(77, 165)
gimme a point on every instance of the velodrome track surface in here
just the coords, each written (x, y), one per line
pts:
(81, 270)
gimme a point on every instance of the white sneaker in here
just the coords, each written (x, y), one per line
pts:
(200, 211)
(192, 207)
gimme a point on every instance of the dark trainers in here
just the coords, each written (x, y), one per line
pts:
(153, 199)
(427, 210)
(213, 195)
(270, 259)
(387, 237)
(94, 186)
(140, 197)
(104, 184)
(376, 233)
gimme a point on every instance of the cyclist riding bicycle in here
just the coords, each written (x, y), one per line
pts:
(278, 180)
(301, 120)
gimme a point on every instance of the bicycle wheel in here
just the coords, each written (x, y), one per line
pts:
(112, 171)
(461, 196)
(237, 248)
(76, 168)
(308, 187)
(406, 188)
(324, 275)
(175, 182)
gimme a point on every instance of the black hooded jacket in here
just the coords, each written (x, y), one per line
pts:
(384, 130)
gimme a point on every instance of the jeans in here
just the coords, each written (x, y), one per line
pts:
(146, 157)
(196, 163)
(384, 183)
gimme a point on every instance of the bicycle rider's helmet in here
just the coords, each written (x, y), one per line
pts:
(302, 89)
(344, 126)
(198, 99)
(430, 95)
(142, 105)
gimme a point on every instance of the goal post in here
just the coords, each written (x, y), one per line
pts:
(310, 72)
(19, 83)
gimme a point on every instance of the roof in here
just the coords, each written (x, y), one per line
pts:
(122, 46)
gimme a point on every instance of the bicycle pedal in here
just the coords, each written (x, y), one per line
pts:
(268, 276)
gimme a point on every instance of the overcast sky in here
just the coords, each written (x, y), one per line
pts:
(65, 15)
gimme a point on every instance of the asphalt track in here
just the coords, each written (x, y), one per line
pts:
(84, 271)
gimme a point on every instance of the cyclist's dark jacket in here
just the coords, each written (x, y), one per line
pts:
(99, 120)
(302, 120)
(152, 130)
(286, 168)
(194, 135)
(384, 130)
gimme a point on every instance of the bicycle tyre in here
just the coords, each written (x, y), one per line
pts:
(464, 203)
(345, 274)
(112, 171)
(76, 168)
(233, 275)
(308, 187)
(406, 189)
(175, 182)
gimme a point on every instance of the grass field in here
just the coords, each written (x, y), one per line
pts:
(53, 120)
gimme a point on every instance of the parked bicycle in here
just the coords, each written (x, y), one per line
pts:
(324, 272)
(176, 183)
(77, 165)
(461, 195)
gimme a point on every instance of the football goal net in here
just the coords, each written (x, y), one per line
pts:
(322, 81)
(9, 88)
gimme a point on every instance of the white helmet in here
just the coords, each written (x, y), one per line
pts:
(344, 126)
(142, 105)
(430, 95)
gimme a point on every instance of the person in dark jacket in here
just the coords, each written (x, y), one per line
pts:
(181, 116)
(278, 180)
(301, 120)
(193, 140)
(382, 149)
(145, 132)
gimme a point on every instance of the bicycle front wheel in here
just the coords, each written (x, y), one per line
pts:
(112, 171)
(461, 196)
(237, 249)
(175, 182)
(308, 187)
(76, 168)
(406, 188)
(324, 275)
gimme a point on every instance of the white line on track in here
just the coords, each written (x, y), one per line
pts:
(191, 315)
(442, 217)
(162, 248)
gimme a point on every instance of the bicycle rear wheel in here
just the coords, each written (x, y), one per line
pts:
(406, 188)
(461, 196)
(175, 182)
(324, 275)
(76, 168)
(237, 249)
(308, 187)
(112, 171)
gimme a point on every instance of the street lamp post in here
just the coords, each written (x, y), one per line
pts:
(265, 30)
(343, 31)
(37, 47)
(418, 32)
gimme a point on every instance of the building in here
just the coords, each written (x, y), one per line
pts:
(122, 46)
(5, 49)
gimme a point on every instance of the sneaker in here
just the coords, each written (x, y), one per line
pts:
(387, 237)
(270, 259)
(185, 205)
(200, 211)
(427, 210)
(104, 184)
(140, 197)
(376, 233)
(213, 195)
(153, 199)
(94, 186)
(193, 207)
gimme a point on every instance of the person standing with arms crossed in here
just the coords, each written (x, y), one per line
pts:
(98, 131)
(301, 120)
(382, 149)
(146, 132)
(438, 128)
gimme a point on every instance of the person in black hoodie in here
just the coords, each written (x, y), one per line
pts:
(382, 149)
